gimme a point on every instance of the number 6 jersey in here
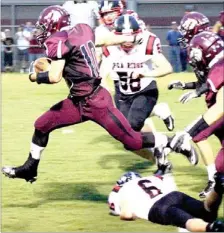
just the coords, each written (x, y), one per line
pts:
(123, 64)
(140, 194)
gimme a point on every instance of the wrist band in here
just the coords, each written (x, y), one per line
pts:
(43, 77)
(202, 89)
(191, 85)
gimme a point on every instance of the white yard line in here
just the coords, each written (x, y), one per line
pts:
(67, 131)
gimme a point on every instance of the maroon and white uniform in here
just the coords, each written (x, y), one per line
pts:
(87, 99)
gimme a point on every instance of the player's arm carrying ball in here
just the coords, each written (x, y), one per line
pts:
(44, 70)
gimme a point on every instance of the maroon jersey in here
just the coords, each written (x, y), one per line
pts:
(215, 82)
(76, 46)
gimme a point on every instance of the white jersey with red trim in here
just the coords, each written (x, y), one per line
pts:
(123, 64)
(140, 195)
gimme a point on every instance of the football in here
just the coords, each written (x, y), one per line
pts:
(42, 64)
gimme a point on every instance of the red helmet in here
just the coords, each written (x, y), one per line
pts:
(205, 50)
(192, 24)
(221, 17)
(51, 20)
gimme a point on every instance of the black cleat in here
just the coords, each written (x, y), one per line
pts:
(163, 169)
(207, 189)
(169, 122)
(217, 226)
(28, 171)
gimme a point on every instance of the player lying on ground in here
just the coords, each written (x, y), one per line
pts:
(192, 24)
(152, 198)
(206, 50)
(72, 52)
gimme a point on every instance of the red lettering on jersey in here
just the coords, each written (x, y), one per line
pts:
(106, 52)
(150, 43)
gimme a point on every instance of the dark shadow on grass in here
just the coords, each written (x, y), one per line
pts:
(124, 162)
(66, 192)
(107, 139)
(193, 171)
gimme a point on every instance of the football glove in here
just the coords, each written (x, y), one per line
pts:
(194, 94)
(186, 97)
(176, 84)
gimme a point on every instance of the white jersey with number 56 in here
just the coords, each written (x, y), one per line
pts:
(123, 64)
(140, 194)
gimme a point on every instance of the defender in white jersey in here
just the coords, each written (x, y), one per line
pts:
(153, 198)
(139, 95)
(109, 12)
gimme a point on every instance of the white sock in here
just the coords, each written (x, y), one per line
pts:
(211, 171)
(36, 151)
(161, 110)
(161, 140)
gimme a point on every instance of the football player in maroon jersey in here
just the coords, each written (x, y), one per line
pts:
(190, 25)
(72, 52)
(206, 53)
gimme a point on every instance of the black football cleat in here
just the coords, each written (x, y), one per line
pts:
(163, 169)
(217, 226)
(169, 122)
(207, 189)
(28, 171)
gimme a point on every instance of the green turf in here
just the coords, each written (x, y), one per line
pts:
(78, 169)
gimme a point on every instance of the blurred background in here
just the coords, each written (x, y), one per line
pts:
(18, 44)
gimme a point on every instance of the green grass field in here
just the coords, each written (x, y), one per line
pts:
(79, 166)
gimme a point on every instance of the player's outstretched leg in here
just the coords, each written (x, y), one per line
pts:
(61, 114)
